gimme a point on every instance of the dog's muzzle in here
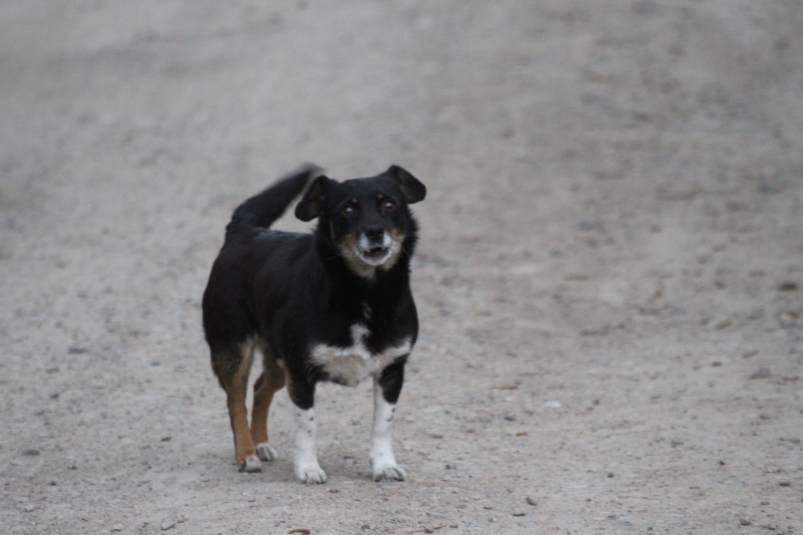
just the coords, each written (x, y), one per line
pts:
(374, 252)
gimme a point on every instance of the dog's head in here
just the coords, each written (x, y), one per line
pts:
(366, 219)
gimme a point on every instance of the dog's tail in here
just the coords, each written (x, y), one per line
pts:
(263, 209)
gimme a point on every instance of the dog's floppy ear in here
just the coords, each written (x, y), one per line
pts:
(412, 188)
(311, 205)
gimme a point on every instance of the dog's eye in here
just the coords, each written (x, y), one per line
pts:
(389, 205)
(347, 211)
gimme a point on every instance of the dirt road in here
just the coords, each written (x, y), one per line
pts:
(610, 277)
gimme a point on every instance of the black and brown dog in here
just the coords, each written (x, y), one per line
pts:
(334, 305)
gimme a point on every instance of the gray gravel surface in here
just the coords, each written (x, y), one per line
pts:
(609, 278)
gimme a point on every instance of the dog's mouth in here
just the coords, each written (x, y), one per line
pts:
(375, 256)
(374, 252)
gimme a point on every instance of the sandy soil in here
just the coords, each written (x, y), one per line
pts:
(610, 277)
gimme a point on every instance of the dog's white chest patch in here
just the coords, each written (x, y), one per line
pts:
(350, 365)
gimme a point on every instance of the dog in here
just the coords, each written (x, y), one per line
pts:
(334, 305)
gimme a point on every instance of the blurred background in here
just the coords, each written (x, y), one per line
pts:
(608, 276)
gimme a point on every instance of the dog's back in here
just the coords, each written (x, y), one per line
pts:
(226, 322)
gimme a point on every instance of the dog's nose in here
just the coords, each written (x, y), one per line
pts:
(375, 232)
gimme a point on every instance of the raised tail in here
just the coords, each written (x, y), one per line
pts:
(263, 209)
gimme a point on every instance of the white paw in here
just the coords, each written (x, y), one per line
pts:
(389, 472)
(251, 464)
(311, 474)
(266, 452)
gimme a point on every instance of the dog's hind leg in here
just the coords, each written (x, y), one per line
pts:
(232, 367)
(271, 381)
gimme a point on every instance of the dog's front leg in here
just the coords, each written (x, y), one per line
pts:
(305, 455)
(387, 388)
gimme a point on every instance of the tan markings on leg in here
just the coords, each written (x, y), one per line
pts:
(236, 386)
(243, 446)
(271, 381)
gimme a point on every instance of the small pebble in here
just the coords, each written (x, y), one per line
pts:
(531, 500)
(745, 521)
(167, 524)
(31, 451)
(510, 417)
(785, 483)
(788, 286)
(167, 438)
(761, 373)
(451, 466)
(610, 474)
(519, 513)
(28, 507)
(118, 527)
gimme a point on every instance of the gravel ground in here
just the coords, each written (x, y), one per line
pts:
(609, 278)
